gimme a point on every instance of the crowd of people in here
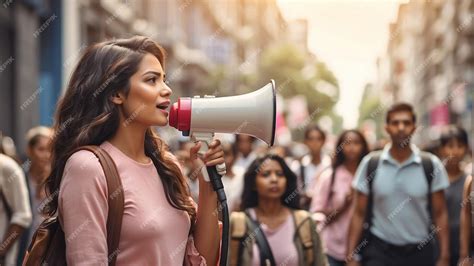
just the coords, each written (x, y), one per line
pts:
(399, 205)
(350, 204)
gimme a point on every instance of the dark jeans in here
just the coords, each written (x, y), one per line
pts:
(380, 253)
(335, 262)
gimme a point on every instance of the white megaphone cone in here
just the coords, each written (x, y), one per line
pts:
(251, 114)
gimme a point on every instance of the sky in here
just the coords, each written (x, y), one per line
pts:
(347, 35)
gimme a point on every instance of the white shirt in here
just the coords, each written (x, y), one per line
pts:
(244, 162)
(311, 171)
(15, 192)
(233, 187)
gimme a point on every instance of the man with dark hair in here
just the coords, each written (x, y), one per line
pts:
(399, 201)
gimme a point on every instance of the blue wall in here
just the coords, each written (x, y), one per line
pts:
(50, 62)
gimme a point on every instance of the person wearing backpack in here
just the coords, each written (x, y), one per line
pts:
(454, 145)
(272, 230)
(116, 95)
(333, 196)
(399, 201)
(15, 211)
(466, 253)
(311, 165)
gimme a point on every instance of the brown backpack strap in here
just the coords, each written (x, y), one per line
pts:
(305, 229)
(115, 200)
(238, 233)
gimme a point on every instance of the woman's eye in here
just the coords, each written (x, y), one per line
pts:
(152, 80)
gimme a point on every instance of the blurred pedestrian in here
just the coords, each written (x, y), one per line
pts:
(15, 211)
(38, 169)
(233, 180)
(312, 164)
(453, 149)
(466, 256)
(271, 230)
(283, 152)
(116, 95)
(333, 195)
(244, 144)
(399, 194)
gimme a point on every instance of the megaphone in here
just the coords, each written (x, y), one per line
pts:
(251, 114)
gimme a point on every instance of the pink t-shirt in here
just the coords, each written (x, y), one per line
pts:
(280, 240)
(335, 234)
(153, 232)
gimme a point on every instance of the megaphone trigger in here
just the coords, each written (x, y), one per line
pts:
(221, 169)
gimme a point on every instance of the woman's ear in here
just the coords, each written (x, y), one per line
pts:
(117, 98)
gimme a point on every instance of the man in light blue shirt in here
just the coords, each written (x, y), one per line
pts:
(400, 217)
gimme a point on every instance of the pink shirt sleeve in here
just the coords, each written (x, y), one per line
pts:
(321, 188)
(83, 208)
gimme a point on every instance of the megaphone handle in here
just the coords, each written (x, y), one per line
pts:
(206, 139)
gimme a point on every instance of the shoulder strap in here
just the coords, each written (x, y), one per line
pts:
(304, 232)
(266, 254)
(115, 200)
(471, 199)
(331, 185)
(306, 228)
(370, 176)
(302, 174)
(428, 169)
(238, 233)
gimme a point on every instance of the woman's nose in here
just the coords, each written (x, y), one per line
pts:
(166, 91)
(273, 178)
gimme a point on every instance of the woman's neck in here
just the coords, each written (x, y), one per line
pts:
(130, 140)
(454, 172)
(400, 152)
(269, 207)
(316, 158)
(37, 173)
(351, 166)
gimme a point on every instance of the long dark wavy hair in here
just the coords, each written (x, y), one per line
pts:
(87, 116)
(291, 196)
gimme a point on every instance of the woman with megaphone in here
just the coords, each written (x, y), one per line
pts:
(272, 230)
(116, 95)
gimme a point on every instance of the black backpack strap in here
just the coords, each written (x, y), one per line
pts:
(331, 185)
(302, 173)
(428, 169)
(266, 254)
(370, 176)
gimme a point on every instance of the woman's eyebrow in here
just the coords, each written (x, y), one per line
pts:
(152, 72)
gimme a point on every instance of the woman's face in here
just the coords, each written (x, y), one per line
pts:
(40, 153)
(353, 146)
(149, 97)
(315, 141)
(270, 180)
(454, 151)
